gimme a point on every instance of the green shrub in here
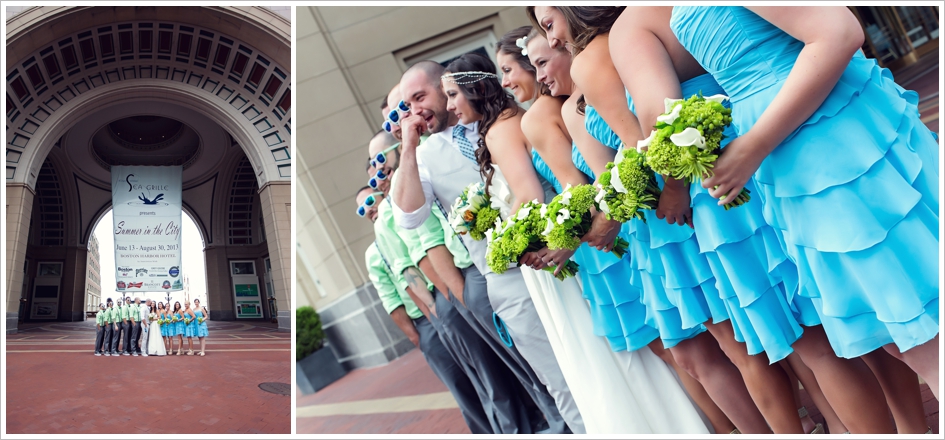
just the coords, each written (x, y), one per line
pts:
(309, 335)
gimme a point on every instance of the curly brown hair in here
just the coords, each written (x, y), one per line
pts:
(488, 98)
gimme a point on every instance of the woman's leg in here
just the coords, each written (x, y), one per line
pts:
(807, 379)
(720, 422)
(901, 387)
(203, 344)
(849, 385)
(702, 358)
(923, 359)
(190, 345)
(769, 386)
(806, 421)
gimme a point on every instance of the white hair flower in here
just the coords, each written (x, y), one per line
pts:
(522, 43)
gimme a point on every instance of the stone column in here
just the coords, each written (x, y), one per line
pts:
(72, 289)
(19, 209)
(275, 199)
(219, 288)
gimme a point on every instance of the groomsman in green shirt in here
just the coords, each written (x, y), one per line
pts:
(125, 310)
(111, 329)
(100, 325)
(135, 319)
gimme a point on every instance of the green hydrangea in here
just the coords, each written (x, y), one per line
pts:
(687, 147)
(625, 199)
(485, 219)
(568, 218)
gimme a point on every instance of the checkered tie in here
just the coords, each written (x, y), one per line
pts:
(465, 147)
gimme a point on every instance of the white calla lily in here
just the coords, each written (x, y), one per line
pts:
(548, 227)
(619, 157)
(645, 143)
(717, 98)
(604, 207)
(544, 210)
(615, 181)
(600, 193)
(687, 137)
(669, 103)
(563, 216)
(523, 212)
(566, 198)
(671, 116)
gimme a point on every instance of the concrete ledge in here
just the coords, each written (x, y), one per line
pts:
(12, 318)
(360, 331)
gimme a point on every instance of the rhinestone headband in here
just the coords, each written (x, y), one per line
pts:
(476, 76)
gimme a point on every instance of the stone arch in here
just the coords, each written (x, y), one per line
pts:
(233, 83)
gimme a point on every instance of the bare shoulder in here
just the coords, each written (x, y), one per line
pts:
(543, 109)
(507, 124)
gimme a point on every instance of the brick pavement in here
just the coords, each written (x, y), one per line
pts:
(56, 386)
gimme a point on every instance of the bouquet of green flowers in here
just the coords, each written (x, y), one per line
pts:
(201, 319)
(628, 187)
(186, 320)
(472, 212)
(519, 234)
(568, 218)
(174, 318)
(152, 316)
(687, 139)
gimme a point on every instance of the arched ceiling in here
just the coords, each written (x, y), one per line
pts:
(79, 55)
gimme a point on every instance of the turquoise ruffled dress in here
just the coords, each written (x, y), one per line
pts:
(202, 331)
(852, 194)
(678, 285)
(164, 327)
(179, 325)
(190, 329)
(616, 308)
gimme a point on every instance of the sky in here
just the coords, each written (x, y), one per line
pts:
(192, 264)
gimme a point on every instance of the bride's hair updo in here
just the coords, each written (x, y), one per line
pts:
(487, 97)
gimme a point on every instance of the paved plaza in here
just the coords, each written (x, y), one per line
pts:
(55, 385)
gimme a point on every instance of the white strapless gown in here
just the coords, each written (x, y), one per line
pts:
(615, 392)
(155, 342)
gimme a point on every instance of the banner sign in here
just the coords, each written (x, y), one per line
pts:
(146, 208)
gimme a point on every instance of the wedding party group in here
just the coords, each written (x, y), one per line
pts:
(121, 329)
(702, 210)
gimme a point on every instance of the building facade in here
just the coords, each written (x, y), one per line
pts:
(206, 88)
(93, 280)
(349, 59)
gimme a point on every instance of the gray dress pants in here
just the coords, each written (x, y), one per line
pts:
(500, 394)
(512, 302)
(478, 313)
(453, 375)
(135, 335)
(99, 338)
(116, 336)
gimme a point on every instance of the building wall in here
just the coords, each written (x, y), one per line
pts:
(93, 283)
(349, 59)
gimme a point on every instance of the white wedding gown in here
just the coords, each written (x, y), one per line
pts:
(616, 392)
(155, 342)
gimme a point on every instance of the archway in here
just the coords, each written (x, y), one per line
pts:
(148, 86)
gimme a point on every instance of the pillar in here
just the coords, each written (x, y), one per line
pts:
(19, 210)
(275, 200)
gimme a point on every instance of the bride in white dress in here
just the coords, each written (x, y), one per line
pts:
(155, 341)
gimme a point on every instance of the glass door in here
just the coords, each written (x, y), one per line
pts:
(246, 289)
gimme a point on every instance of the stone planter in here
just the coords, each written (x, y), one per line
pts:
(318, 370)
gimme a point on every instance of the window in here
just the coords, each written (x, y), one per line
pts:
(477, 37)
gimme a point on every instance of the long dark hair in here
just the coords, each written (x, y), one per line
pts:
(488, 98)
(507, 45)
(176, 306)
(584, 22)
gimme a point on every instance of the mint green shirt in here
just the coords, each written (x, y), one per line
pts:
(391, 288)
(100, 318)
(436, 231)
(134, 313)
(124, 312)
(392, 244)
(112, 315)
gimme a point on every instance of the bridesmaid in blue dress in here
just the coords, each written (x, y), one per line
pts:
(615, 304)
(190, 327)
(163, 314)
(681, 300)
(178, 328)
(202, 330)
(871, 266)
